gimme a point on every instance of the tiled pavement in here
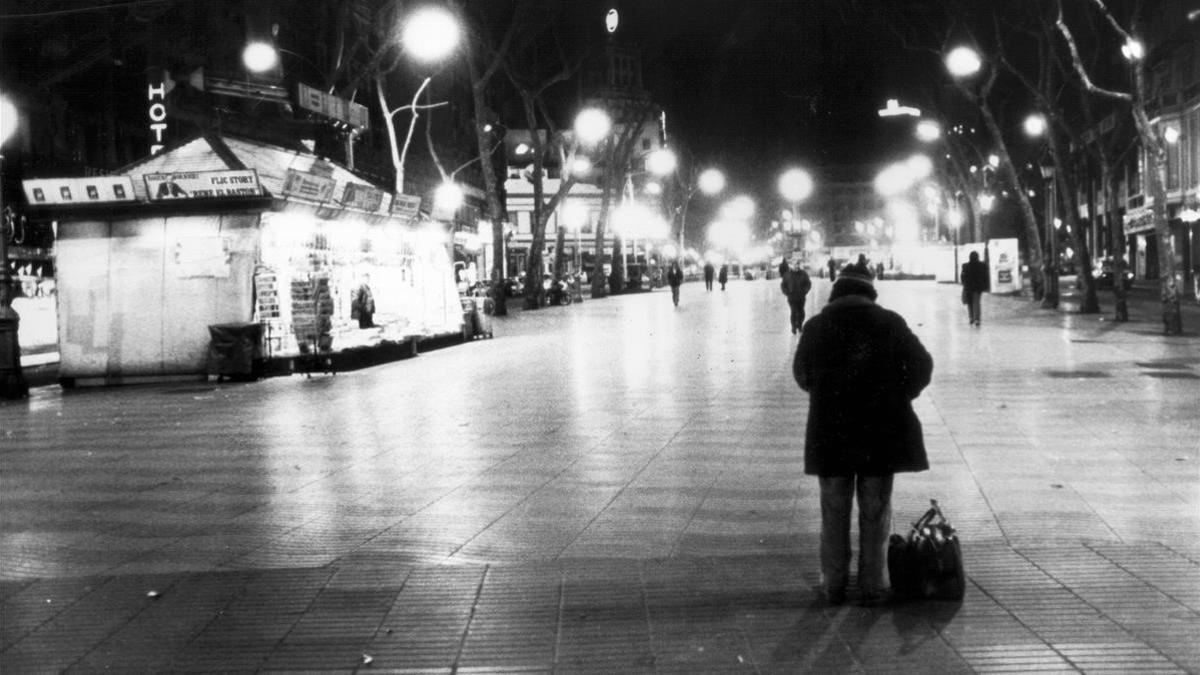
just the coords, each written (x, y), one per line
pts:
(614, 486)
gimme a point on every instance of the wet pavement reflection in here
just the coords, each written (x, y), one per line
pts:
(616, 485)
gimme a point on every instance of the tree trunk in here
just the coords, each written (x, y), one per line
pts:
(1169, 276)
(490, 189)
(1037, 264)
(606, 195)
(1066, 190)
(1116, 230)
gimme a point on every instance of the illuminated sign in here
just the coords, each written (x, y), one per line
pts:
(156, 94)
(202, 184)
(348, 112)
(406, 206)
(308, 185)
(91, 190)
(359, 196)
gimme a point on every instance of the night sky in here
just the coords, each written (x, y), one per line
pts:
(758, 86)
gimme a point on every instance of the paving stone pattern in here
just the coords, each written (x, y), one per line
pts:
(616, 487)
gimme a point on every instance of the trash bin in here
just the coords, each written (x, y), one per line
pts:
(235, 350)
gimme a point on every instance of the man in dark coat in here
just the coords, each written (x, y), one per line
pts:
(709, 273)
(796, 285)
(675, 279)
(974, 282)
(723, 276)
(862, 367)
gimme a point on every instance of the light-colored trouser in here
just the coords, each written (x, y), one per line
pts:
(874, 525)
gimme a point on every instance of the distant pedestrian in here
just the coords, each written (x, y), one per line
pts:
(709, 272)
(862, 367)
(796, 285)
(783, 268)
(974, 277)
(723, 276)
(674, 279)
(362, 306)
(832, 269)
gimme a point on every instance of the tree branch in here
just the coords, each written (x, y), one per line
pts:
(1078, 61)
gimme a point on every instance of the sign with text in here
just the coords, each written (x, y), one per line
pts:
(202, 184)
(406, 206)
(307, 185)
(349, 112)
(359, 196)
(91, 190)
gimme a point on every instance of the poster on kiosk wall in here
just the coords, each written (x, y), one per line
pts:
(1004, 269)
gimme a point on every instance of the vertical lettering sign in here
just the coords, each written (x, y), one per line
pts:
(156, 95)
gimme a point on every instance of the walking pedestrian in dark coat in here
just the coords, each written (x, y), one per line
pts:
(709, 272)
(675, 279)
(796, 285)
(862, 367)
(974, 278)
(723, 276)
(832, 269)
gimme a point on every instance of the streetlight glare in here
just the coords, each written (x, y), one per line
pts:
(1133, 50)
(661, 162)
(963, 62)
(8, 119)
(449, 196)
(928, 131)
(1035, 125)
(795, 185)
(711, 181)
(581, 166)
(592, 125)
(740, 208)
(430, 33)
(259, 57)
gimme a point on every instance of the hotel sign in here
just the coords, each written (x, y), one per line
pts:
(202, 184)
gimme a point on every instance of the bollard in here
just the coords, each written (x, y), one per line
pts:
(12, 381)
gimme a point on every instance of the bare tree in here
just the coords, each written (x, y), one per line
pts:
(1152, 141)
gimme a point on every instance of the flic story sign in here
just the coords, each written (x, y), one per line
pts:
(91, 190)
(202, 184)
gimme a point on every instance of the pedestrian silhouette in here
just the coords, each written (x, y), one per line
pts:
(974, 277)
(796, 284)
(674, 279)
(832, 269)
(709, 272)
(862, 367)
(723, 276)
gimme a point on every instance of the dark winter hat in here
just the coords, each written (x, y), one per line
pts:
(856, 273)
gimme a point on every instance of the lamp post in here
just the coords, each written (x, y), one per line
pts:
(710, 182)
(795, 185)
(12, 381)
(955, 220)
(1050, 298)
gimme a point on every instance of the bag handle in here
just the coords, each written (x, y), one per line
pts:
(934, 512)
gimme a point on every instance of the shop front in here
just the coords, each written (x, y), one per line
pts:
(317, 260)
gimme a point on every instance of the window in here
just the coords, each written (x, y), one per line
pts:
(524, 222)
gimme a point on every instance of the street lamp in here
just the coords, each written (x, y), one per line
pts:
(260, 57)
(963, 62)
(795, 185)
(12, 381)
(1050, 295)
(710, 182)
(928, 131)
(430, 33)
(592, 125)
